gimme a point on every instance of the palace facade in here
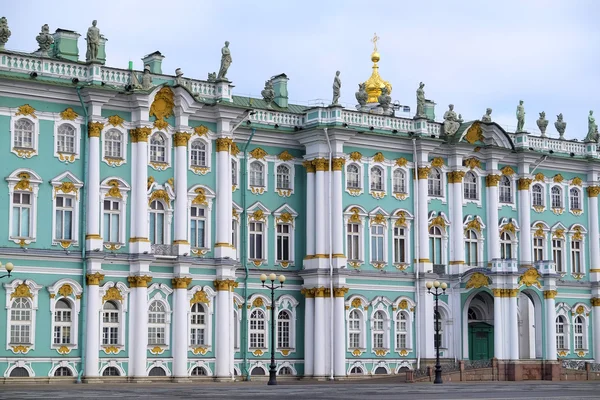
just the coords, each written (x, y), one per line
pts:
(141, 208)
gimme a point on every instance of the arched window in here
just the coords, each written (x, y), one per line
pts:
(257, 175)
(199, 371)
(399, 178)
(435, 245)
(157, 371)
(157, 222)
(110, 324)
(579, 333)
(537, 195)
(19, 372)
(20, 321)
(353, 176)
(158, 148)
(376, 178)
(198, 227)
(434, 183)
(470, 186)
(379, 330)
(575, 199)
(257, 329)
(283, 177)
(556, 197)
(401, 331)
(380, 371)
(111, 371)
(62, 322)
(505, 246)
(198, 153)
(283, 330)
(505, 189)
(257, 371)
(113, 144)
(354, 329)
(558, 253)
(156, 323)
(63, 371)
(65, 140)
(561, 323)
(356, 371)
(377, 243)
(285, 371)
(23, 135)
(198, 325)
(438, 335)
(471, 248)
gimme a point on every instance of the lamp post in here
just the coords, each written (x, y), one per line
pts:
(272, 277)
(9, 267)
(439, 289)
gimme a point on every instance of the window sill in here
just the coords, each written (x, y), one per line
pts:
(257, 189)
(257, 262)
(201, 349)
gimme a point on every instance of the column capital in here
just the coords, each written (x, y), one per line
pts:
(337, 164)
(181, 283)
(423, 172)
(320, 291)
(140, 134)
(595, 301)
(456, 176)
(139, 281)
(492, 180)
(340, 292)
(181, 138)
(94, 279)
(308, 293)
(550, 294)
(225, 284)
(223, 144)
(524, 183)
(505, 292)
(94, 129)
(310, 168)
(593, 191)
(321, 164)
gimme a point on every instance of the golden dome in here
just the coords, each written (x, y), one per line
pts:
(375, 83)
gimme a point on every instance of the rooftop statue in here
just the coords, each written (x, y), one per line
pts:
(4, 32)
(560, 126)
(44, 40)
(520, 116)
(225, 62)
(451, 122)
(268, 93)
(385, 100)
(337, 85)
(93, 42)
(487, 117)
(212, 77)
(592, 128)
(146, 78)
(421, 101)
(542, 123)
(179, 79)
(362, 95)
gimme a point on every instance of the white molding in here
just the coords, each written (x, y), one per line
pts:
(35, 180)
(200, 169)
(68, 157)
(35, 136)
(75, 301)
(34, 288)
(124, 144)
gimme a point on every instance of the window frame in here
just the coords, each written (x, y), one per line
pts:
(381, 237)
(436, 182)
(355, 215)
(260, 332)
(281, 191)
(472, 243)
(24, 181)
(406, 238)
(25, 152)
(111, 160)
(33, 289)
(73, 297)
(285, 215)
(399, 310)
(384, 330)
(115, 189)
(352, 190)
(404, 181)
(542, 194)
(194, 296)
(361, 331)
(373, 185)
(572, 210)
(200, 169)
(122, 309)
(476, 185)
(557, 201)
(64, 156)
(563, 252)
(164, 325)
(160, 165)
(258, 189)
(510, 189)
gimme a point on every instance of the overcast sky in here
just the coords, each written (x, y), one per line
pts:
(472, 53)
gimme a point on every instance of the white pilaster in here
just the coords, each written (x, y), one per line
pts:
(309, 331)
(92, 237)
(513, 325)
(492, 217)
(596, 328)
(425, 315)
(139, 242)
(525, 254)
(319, 336)
(499, 339)
(181, 306)
(423, 256)
(310, 208)
(339, 332)
(594, 230)
(180, 139)
(455, 179)
(222, 334)
(320, 207)
(338, 212)
(92, 329)
(224, 214)
(139, 319)
(550, 304)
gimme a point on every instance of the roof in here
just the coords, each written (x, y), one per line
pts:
(250, 102)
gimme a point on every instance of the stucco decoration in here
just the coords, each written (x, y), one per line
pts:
(45, 40)
(162, 106)
(477, 280)
(531, 277)
(542, 123)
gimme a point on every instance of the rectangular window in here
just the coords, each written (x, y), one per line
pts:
(283, 242)
(64, 218)
(354, 340)
(378, 340)
(156, 335)
(399, 245)
(111, 219)
(197, 223)
(256, 240)
(21, 215)
(353, 237)
(576, 256)
(283, 334)
(110, 335)
(377, 250)
(234, 228)
(538, 249)
(557, 254)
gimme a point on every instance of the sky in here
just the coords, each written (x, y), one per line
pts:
(471, 53)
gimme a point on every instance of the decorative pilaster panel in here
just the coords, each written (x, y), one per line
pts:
(223, 246)
(499, 325)
(181, 139)
(139, 242)
(321, 165)
(309, 331)
(139, 323)
(92, 237)
(92, 333)
(493, 241)
(339, 332)
(319, 334)
(223, 315)
(180, 326)
(525, 256)
(550, 306)
(310, 209)
(423, 256)
(455, 179)
(594, 232)
(595, 301)
(338, 212)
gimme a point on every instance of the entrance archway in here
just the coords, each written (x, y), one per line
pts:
(478, 326)
(529, 308)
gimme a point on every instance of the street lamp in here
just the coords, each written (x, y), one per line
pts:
(437, 293)
(9, 267)
(272, 277)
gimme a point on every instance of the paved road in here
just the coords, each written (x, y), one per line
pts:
(309, 390)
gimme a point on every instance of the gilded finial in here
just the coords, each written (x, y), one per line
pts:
(374, 40)
(375, 83)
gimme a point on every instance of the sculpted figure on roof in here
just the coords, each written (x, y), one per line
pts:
(4, 32)
(421, 101)
(560, 126)
(487, 117)
(225, 62)
(542, 123)
(451, 121)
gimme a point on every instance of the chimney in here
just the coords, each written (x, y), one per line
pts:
(154, 61)
(65, 45)
(430, 109)
(280, 88)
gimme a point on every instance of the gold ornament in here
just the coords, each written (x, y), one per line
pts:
(340, 292)
(593, 191)
(258, 215)
(112, 294)
(114, 190)
(558, 178)
(580, 310)
(477, 280)
(378, 219)
(162, 106)
(65, 290)
(576, 181)
(201, 130)
(200, 297)
(355, 156)
(69, 114)
(285, 156)
(310, 168)
(181, 138)
(472, 163)
(21, 291)
(474, 134)
(181, 283)
(140, 134)
(321, 164)
(94, 129)
(507, 170)
(161, 124)
(437, 162)
(474, 224)
(455, 176)
(401, 221)
(23, 184)
(227, 284)
(423, 172)
(509, 227)
(234, 149)
(439, 221)
(539, 232)
(595, 301)
(139, 281)
(403, 305)
(578, 233)
(66, 187)
(94, 279)
(378, 157)
(159, 194)
(356, 303)
(337, 164)
(115, 121)
(355, 217)
(223, 144)
(286, 218)
(530, 278)
(539, 177)
(401, 162)
(492, 180)
(26, 109)
(524, 183)
(258, 153)
(550, 294)
(200, 197)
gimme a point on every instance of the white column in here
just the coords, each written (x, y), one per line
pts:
(499, 338)
(550, 304)
(596, 328)
(493, 239)
(339, 333)
(181, 306)
(93, 239)
(594, 230)
(139, 347)
(309, 331)
(319, 337)
(337, 208)
(426, 316)
(223, 307)
(455, 179)
(180, 139)
(92, 329)
(525, 254)
(423, 255)
(513, 325)
(139, 142)
(310, 208)
(223, 237)
(320, 207)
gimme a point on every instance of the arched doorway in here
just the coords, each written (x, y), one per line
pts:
(529, 308)
(480, 326)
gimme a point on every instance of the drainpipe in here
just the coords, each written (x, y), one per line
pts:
(416, 235)
(331, 299)
(244, 259)
(82, 232)
(537, 164)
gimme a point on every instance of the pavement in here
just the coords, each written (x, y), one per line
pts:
(351, 390)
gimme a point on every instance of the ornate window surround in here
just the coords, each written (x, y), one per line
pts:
(579, 211)
(383, 165)
(69, 290)
(161, 292)
(199, 170)
(161, 166)
(201, 196)
(361, 171)
(379, 216)
(283, 215)
(514, 236)
(404, 305)
(115, 162)
(288, 303)
(25, 152)
(475, 223)
(238, 309)
(575, 231)
(168, 207)
(435, 219)
(261, 302)
(73, 191)
(537, 229)
(360, 304)
(205, 295)
(22, 288)
(68, 157)
(115, 189)
(381, 304)
(512, 178)
(564, 310)
(259, 213)
(480, 176)
(292, 168)
(107, 295)
(561, 209)
(403, 219)
(408, 179)
(31, 185)
(265, 164)
(543, 207)
(356, 214)
(585, 312)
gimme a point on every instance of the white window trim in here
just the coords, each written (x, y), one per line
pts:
(288, 303)
(410, 305)
(258, 189)
(168, 208)
(382, 306)
(581, 197)
(161, 292)
(75, 302)
(292, 168)
(236, 218)
(557, 210)
(265, 220)
(445, 235)
(208, 149)
(570, 234)
(34, 289)
(359, 365)
(210, 310)
(235, 160)
(160, 166)
(586, 325)
(108, 192)
(238, 309)
(115, 162)
(407, 180)
(514, 236)
(564, 310)
(25, 153)
(480, 186)
(199, 364)
(480, 236)
(62, 364)
(203, 198)
(123, 307)
(30, 185)
(396, 222)
(277, 214)
(111, 363)
(384, 224)
(544, 194)
(378, 194)
(265, 309)
(446, 324)
(349, 214)
(546, 240)
(513, 190)
(67, 157)
(363, 323)
(20, 364)
(57, 190)
(444, 184)
(361, 171)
